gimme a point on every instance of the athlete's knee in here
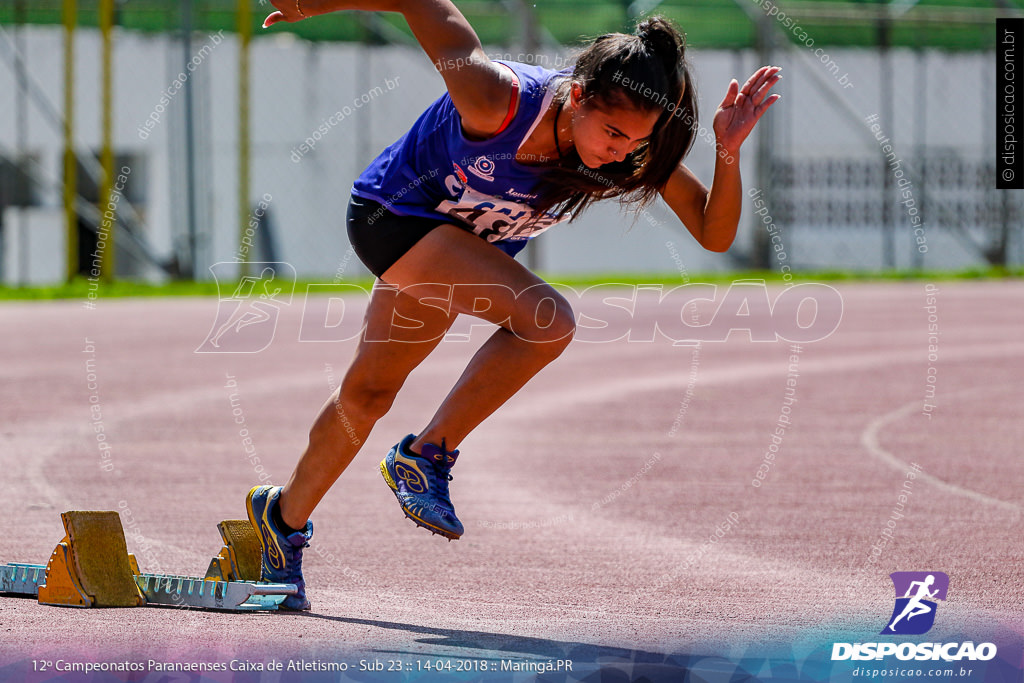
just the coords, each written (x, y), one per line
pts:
(364, 399)
(544, 316)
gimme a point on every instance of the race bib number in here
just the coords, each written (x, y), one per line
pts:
(490, 217)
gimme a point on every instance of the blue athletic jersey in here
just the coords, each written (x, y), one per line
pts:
(435, 171)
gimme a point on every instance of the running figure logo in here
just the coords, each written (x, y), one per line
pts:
(914, 612)
(247, 317)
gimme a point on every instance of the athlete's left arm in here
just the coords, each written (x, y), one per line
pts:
(712, 216)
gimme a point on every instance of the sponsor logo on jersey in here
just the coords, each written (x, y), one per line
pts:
(512, 192)
(460, 173)
(483, 168)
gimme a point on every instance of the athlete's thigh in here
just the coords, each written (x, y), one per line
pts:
(399, 331)
(476, 277)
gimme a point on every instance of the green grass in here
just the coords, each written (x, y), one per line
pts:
(772, 276)
(80, 288)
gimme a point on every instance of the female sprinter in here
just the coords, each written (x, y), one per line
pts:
(508, 151)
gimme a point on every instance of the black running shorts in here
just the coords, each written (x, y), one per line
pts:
(380, 237)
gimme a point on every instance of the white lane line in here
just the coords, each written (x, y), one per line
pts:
(617, 387)
(869, 439)
(552, 402)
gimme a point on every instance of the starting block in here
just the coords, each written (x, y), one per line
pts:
(241, 558)
(91, 567)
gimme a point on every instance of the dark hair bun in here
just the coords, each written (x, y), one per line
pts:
(663, 40)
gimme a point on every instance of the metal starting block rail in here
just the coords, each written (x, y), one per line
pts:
(91, 567)
(23, 579)
(184, 591)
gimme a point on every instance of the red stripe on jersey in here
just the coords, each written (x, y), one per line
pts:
(513, 102)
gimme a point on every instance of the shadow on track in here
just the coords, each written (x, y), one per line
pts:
(615, 663)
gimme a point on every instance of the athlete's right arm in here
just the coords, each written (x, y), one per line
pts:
(480, 89)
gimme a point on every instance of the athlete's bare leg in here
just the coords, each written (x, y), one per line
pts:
(383, 360)
(535, 323)
(534, 328)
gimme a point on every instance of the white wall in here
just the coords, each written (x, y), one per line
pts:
(297, 85)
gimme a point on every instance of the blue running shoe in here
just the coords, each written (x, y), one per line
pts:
(282, 555)
(420, 483)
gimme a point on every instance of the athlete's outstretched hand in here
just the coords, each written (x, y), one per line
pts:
(742, 107)
(287, 10)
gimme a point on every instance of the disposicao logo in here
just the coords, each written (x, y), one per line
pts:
(914, 614)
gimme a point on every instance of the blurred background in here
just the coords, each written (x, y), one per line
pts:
(149, 140)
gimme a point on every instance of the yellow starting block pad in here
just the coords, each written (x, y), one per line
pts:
(241, 557)
(91, 566)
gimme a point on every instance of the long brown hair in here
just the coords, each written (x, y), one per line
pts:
(653, 62)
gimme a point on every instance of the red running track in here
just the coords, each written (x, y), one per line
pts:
(588, 499)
